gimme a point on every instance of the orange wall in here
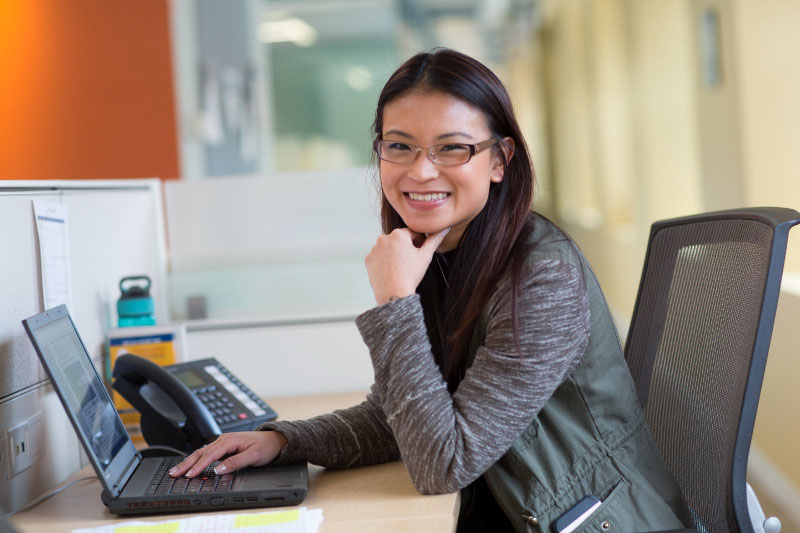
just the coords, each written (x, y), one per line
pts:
(86, 90)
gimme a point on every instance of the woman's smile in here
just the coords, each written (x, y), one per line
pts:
(426, 201)
(427, 197)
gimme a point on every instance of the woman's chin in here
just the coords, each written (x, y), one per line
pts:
(426, 230)
(425, 227)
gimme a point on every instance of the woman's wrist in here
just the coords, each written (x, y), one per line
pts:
(393, 297)
(282, 440)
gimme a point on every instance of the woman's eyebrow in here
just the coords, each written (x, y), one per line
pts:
(398, 132)
(443, 136)
(454, 134)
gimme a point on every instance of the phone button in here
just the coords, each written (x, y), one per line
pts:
(242, 416)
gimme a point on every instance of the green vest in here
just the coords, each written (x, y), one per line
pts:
(590, 438)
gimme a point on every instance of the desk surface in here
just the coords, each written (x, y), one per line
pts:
(373, 498)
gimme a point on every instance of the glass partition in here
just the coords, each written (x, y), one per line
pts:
(271, 89)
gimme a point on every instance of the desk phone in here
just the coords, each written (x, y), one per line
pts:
(232, 404)
(187, 405)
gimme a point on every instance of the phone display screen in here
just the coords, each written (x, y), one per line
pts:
(189, 378)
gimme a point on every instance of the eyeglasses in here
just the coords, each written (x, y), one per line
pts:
(439, 154)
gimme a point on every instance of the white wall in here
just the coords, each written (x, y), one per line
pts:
(285, 358)
(272, 245)
(280, 260)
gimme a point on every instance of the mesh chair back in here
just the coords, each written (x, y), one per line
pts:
(697, 348)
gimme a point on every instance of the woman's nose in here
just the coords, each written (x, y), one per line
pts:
(423, 169)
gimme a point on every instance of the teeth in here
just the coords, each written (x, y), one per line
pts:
(428, 197)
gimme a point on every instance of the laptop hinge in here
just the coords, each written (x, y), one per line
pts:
(126, 475)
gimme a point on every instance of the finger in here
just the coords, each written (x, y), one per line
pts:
(417, 238)
(434, 240)
(186, 464)
(208, 454)
(249, 456)
(206, 459)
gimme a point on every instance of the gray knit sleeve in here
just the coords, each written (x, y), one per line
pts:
(356, 436)
(447, 441)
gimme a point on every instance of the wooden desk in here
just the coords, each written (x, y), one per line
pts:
(374, 498)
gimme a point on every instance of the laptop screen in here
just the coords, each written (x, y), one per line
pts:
(84, 396)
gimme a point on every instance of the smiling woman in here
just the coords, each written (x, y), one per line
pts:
(498, 371)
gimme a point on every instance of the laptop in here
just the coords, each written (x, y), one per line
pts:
(133, 484)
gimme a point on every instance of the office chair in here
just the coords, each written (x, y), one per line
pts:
(697, 348)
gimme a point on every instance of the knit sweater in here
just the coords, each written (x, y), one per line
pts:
(448, 440)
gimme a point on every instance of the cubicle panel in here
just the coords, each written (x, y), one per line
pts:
(289, 359)
(115, 228)
(113, 234)
(311, 215)
(20, 291)
(254, 246)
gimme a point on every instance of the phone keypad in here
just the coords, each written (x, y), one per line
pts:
(236, 388)
(220, 405)
(219, 399)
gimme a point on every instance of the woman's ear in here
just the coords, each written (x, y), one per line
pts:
(498, 168)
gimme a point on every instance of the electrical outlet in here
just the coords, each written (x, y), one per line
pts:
(19, 449)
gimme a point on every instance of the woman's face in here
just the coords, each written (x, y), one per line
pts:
(431, 197)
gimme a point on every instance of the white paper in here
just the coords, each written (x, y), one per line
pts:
(300, 520)
(51, 226)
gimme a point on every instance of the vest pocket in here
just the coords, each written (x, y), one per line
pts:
(612, 515)
(606, 490)
(631, 506)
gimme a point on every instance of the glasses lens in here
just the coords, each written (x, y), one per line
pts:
(451, 154)
(395, 151)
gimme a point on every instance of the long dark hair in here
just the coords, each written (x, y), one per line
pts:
(496, 237)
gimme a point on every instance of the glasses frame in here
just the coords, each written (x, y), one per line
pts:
(431, 152)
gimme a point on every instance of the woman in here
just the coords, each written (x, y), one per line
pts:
(498, 370)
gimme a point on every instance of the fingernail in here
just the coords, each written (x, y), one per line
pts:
(173, 470)
(189, 473)
(219, 469)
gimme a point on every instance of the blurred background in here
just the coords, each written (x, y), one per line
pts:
(257, 113)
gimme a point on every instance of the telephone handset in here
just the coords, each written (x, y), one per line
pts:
(171, 414)
(187, 405)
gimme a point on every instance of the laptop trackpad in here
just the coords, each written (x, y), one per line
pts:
(268, 477)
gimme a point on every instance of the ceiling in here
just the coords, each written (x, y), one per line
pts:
(381, 19)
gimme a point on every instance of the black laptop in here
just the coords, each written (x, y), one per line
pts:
(134, 484)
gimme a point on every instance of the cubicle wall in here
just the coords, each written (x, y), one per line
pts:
(279, 262)
(115, 228)
(271, 246)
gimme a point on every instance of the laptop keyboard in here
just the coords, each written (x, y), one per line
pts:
(208, 481)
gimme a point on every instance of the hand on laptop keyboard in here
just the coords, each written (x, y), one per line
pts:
(207, 481)
(246, 448)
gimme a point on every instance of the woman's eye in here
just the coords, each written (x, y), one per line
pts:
(398, 147)
(453, 147)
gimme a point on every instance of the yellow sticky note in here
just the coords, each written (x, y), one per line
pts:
(265, 519)
(169, 527)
